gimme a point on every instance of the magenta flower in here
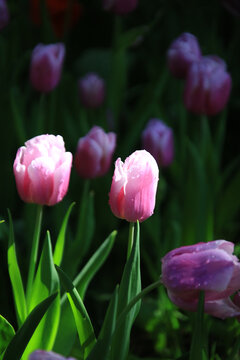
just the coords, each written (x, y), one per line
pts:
(4, 14)
(94, 153)
(210, 267)
(46, 66)
(42, 170)
(182, 53)
(157, 138)
(120, 7)
(91, 89)
(134, 185)
(47, 355)
(207, 86)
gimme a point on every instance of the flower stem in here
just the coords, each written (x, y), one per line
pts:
(130, 238)
(34, 251)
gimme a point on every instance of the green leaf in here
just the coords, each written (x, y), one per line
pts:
(20, 340)
(60, 243)
(130, 286)
(65, 341)
(129, 37)
(197, 345)
(15, 276)
(6, 333)
(83, 323)
(46, 282)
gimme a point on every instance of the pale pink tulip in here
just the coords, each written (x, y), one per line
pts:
(42, 170)
(134, 185)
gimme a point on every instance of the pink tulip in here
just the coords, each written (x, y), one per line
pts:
(210, 267)
(208, 86)
(46, 66)
(4, 14)
(94, 153)
(91, 90)
(157, 138)
(182, 53)
(47, 355)
(134, 185)
(120, 7)
(42, 170)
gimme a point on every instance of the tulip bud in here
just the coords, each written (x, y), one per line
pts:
(134, 185)
(157, 138)
(120, 7)
(4, 14)
(207, 86)
(94, 153)
(46, 66)
(91, 90)
(42, 170)
(182, 53)
(210, 267)
(47, 355)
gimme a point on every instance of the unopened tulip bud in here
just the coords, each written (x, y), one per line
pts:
(134, 185)
(120, 7)
(46, 66)
(47, 355)
(208, 86)
(4, 14)
(94, 153)
(42, 170)
(91, 90)
(157, 138)
(182, 53)
(210, 267)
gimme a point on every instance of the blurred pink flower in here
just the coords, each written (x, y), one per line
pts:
(134, 185)
(120, 7)
(210, 267)
(42, 170)
(47, 355)
(4, 14)
(157, 138)
(46, 66)
(91, 90)
(94, 153)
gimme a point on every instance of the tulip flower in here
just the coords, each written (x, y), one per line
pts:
(4, 14)
(182, 53)
(120, 7)
(134, 185)
(210, 267)
(94, 153)
(91, 90)
(47, 355)
(207, 86)
(42, 170)
(46, 66)
(157, 138)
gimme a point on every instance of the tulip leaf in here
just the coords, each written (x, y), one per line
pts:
(65, 341)
(129, 37)
(6, 333)
(83, 323)
(46, 282)
(20, 340)
(15, 276)
(60, 243)
(130, 286)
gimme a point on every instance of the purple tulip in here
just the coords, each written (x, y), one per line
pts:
(47, 355)
(210, 267)
(91, 90)
(120, 7)
(4, 14)
(94, 153)
(182, 53)
(207, 86)
(46, 66)
(157, 138)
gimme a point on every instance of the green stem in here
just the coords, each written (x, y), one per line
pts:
(130, 238)
(40, 117)
(34, 251)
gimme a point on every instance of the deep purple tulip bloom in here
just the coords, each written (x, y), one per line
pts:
(47, 355)
(91, 90)
(46, 66)
(210, 267)
(94, 153)
(207, 86)
(120, 7)
(157, 138)
(4, 14)
(182, 53)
